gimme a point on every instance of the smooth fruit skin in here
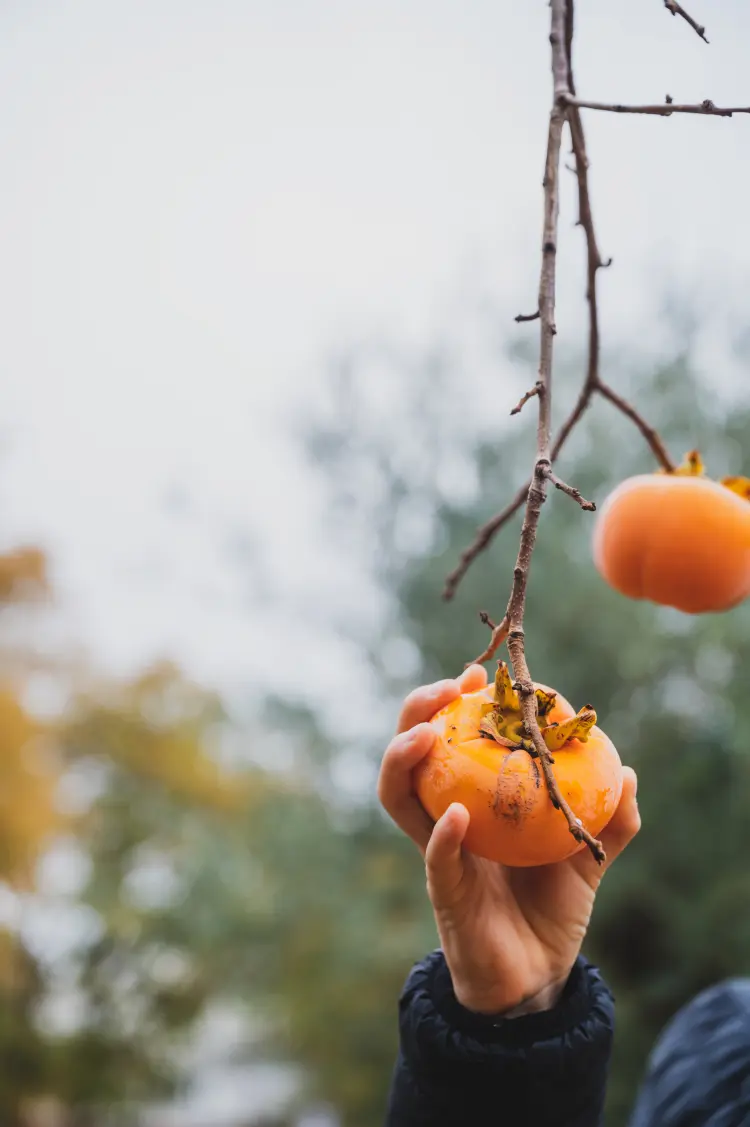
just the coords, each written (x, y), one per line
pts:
(512, 817)
(680, 541)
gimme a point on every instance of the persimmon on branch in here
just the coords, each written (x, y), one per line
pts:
(566, 110)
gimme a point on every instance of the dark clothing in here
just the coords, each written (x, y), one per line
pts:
(699, 1072)
(458, 1069)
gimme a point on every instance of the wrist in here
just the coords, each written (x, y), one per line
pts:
(508, 1005)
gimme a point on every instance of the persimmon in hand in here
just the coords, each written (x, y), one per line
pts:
(481, 758)
(679, 539)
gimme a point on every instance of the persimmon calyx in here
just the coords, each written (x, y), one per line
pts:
(506, 696)
(502, 719)
(576, 728)
(694, 466)
(740, 485)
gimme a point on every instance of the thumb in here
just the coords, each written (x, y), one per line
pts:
(443, 858)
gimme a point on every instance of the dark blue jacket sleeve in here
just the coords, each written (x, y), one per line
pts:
(456, 1068)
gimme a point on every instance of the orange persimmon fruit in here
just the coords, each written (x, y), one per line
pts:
(483, 758)
(679, 539)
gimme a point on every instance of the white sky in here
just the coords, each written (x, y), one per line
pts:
(200, 199)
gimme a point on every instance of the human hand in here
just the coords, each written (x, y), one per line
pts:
(510, 936)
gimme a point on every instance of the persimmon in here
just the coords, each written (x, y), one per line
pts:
(483, 758)
(679, 539)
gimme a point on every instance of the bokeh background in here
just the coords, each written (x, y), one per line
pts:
(259, 264)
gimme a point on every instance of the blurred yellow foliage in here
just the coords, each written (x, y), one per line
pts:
(23, 575)
(158, 726)
(28, 781)
(154, 746)
(28, 768)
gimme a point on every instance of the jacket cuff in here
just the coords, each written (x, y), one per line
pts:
(443, 1042)
(519, 1032)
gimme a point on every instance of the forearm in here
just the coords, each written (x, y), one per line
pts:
(544, 1069)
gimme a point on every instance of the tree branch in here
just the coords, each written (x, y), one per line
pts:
(592, 382)
(565, 105)
(677, 10)
(498, 636)
(652, 437)
(484, 536)
(535, 390)
(595, 263)
(706, 108)
(514, 615)
(571, 491)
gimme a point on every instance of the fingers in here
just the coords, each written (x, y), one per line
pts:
(473, 678)
(626, 820)
(395, 789)
(414, 740)
(621, 829)
(422, 704)
(443, 857)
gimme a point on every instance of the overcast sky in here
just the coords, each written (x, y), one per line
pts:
(199, 200)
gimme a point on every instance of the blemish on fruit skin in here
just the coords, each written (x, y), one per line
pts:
(511, 801)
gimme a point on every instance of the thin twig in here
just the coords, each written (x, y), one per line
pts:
(594, 260)
(576, 827)
(652, 437)
(487, 532)
(678, 10)
(498, 636)
(535, 390)
(665, 109)
(595, 263)
(484, 536)
(571, 491)
(519, 317)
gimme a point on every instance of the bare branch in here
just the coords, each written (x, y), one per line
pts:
(541, 473)
(535, 390)
(571, 491)
(652, 437)
(592, 382)
(499, 634)
(487, 532)
(666, 109)
(511, 629)
(576, 827)
(677, 10)
(595, 263)
(484, 536)
(519, 317)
